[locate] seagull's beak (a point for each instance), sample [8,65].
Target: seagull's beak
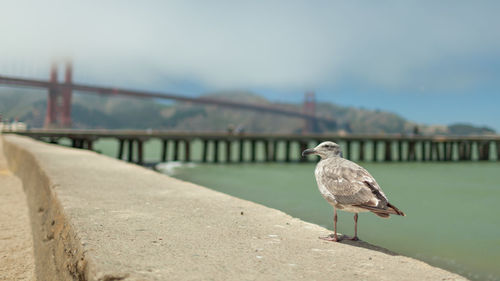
[308,152]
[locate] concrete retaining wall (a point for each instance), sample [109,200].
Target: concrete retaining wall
[97,218]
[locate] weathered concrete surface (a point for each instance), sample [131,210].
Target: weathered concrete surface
[98,218]
[16,242]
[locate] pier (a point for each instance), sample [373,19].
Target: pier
[217,147]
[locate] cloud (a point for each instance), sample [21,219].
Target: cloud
[395,45]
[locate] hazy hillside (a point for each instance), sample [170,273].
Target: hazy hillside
[94,111]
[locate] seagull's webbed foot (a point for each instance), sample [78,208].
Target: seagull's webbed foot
[355,238]
[336,238]
[331,237]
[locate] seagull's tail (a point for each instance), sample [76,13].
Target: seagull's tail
[383,213]
[397,211]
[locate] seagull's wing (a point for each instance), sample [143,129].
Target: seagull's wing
[351,184]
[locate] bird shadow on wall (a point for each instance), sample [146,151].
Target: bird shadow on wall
[363,244]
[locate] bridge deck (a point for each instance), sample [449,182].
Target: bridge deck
[217,135]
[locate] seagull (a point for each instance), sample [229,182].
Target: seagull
[348,187]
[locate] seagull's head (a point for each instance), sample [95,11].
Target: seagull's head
[325,150]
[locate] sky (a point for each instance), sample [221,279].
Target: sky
[433,62]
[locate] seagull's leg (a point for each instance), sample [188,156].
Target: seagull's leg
[334,238]
[355,238]
[335,224]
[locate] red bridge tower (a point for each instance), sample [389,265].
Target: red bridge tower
[58,113]
[309,108]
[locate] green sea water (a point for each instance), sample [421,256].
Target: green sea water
[452,208]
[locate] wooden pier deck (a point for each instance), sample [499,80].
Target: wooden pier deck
[219,147]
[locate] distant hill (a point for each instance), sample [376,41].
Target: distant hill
[468,129]
[102,112]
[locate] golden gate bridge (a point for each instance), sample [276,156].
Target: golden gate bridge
[58,113]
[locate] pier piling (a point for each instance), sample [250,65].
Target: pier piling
[281,148]
[140,156]
[253,150]
[361,151]
[303,146]
[216,151]
[187,151]
[400,150]
[275,150]
[130,150]
[375,150]
[287,150]
[388,151]
[267,151]
[423,150]
[241,148]
[204,151]
[412,154]
[164,150]
[121,144]
[228,151]
[176,150]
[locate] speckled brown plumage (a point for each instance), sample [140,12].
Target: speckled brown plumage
[348,186]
